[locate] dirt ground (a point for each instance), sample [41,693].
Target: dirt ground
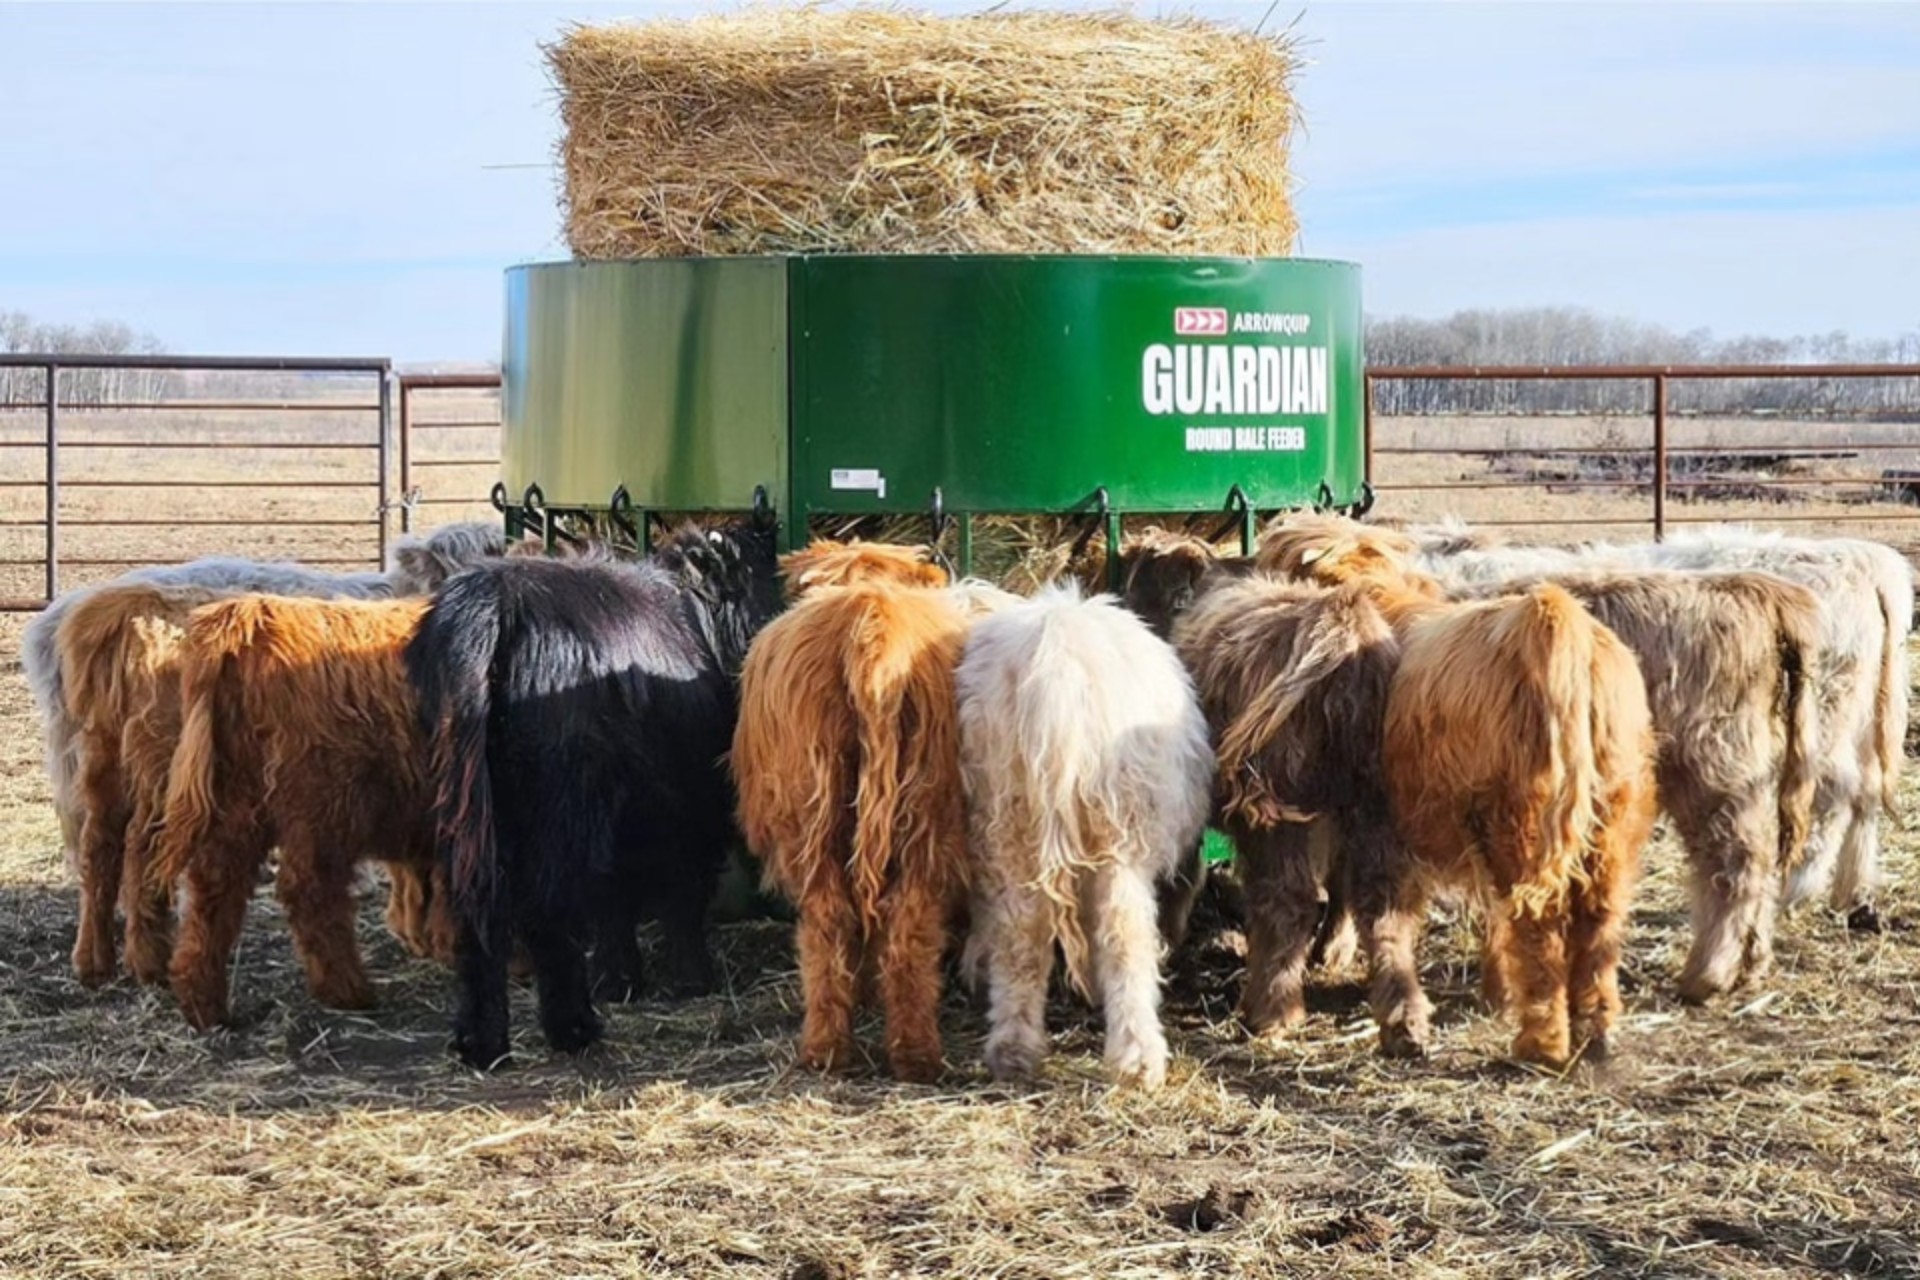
[1773,1134]
[1776,1133]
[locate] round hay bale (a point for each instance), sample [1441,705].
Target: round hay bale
[869,131]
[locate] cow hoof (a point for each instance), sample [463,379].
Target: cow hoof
[825,1056]
[350,997]
[692,984]
[617,988]
[90,969]
[482,1054]
[92,975]
[203,1016]
[1015,1057]
[572,1035]
[1272,1025]
[1550,1051]
[917,1068]
[1864,919]
[1596,1050]
[149,966]
[1402,1042]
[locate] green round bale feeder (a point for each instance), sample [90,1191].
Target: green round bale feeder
[952,386]
[949,386]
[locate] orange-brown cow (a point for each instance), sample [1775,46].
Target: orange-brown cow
[298,730]
[847,760]
[118,651]
[1519,755]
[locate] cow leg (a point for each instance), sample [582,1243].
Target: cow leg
[1537,969]
[1495,945]
[692,875]
[1733,892]
[1126,957]
[619,971]
[1283,913]
[220,881]
[1597,931]
[1598,926]
[1856,878]
[913,936]
[319,900]
[1388,907]
[829,947]
[409,900]
[1177,895]
[1336,939]
[560,976]
[483,939]
[102,850]
[1017,929]
[148,905]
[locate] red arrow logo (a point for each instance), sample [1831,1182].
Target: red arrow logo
[1199,320]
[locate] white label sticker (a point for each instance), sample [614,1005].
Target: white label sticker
[860,478]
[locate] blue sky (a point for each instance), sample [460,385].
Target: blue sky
[352,179]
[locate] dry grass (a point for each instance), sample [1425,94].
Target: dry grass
[1773,1135]
[1822,477]
[1770,1136]
[786,130]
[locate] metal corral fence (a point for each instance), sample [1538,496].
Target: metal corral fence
[112,461]
[142,460]
[449,448]
[1768,445]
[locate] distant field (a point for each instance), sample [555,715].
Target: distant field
[211,459]
[1834,484]
[128,475]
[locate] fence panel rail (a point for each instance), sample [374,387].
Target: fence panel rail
[109,462]
[1649,446]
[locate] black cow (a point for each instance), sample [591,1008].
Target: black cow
[579,712]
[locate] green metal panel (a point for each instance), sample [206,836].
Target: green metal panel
[668,377]
[1008,383]
[1026,383]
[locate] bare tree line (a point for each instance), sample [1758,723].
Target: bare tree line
[20,333]
[1540,336]
[1563,336]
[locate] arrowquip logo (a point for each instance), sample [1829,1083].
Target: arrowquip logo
[1199,320]
[1232,386]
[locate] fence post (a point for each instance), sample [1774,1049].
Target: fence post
[406,456]
[1659,457]
[53,481]
[386,469]
[1366,430]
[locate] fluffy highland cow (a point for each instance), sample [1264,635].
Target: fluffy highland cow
[579,712]
[1087,771]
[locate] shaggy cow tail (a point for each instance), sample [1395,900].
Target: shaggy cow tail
[1246,792]
[1889,701]
[450,663]
[1069,810]
[878,680]
[1560,643]
[212,641]
[1799,640]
